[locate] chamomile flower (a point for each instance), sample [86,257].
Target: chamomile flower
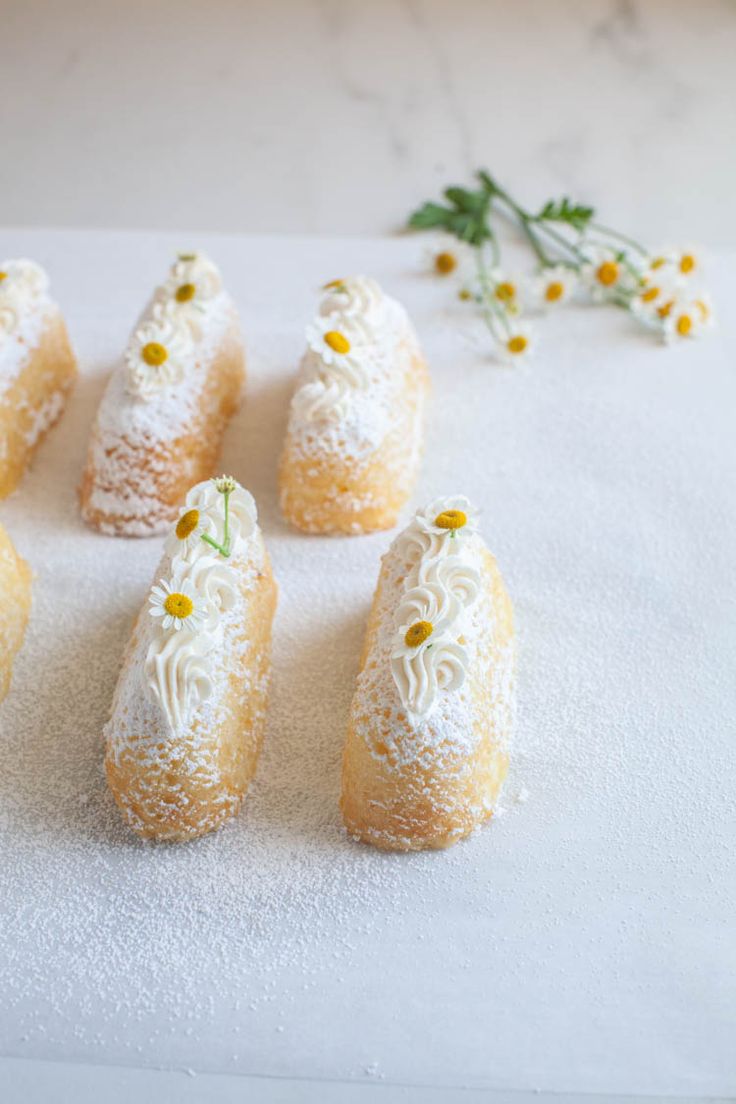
[687,318]
[505,289]
[678,263]
[225,484]
[454,515]
[651,302]
[157,355]
[193,281]
[337,339]
[176,602]
[606,273]
[191,525]
[447,256]
[516,346]
[553,286]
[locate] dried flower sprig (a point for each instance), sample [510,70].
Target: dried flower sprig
[573,251]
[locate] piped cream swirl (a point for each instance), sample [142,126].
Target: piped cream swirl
[427,656]
[22,282]
[179,665]
[348,334]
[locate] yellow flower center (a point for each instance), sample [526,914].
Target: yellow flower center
[337,341]
[333,285]
[451,519]
[185,293]
[154,353]
[178,605]
[687,263]
[554,291]
[703,308]
[665,309]
[657,263]
[464,294]
[445,263]
[3,276]
[607,273]
[186,257]
[517,344]
[650,294]
[418,633]
[186,524]
[506,291]
[684,325]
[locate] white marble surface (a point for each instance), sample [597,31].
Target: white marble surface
[336,117]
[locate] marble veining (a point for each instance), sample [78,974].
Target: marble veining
[337,117]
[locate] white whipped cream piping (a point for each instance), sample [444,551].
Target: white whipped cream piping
[192,285]
[356,296]
[179,663]
[23,283]
[176,324]
[439,588]
[355,309]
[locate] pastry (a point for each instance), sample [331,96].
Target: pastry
[354,436]
[189,711]
[432,713]
[15,607]
[37,366]
[161,419]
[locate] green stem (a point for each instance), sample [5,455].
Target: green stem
[226,534]
[608,232]
[213,544]
[526,221]
[224,548]
[492,310]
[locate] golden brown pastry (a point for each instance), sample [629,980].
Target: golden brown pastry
[353,443]
[161,420]
[189,710]
[37,366]
[431,718]
[15,607]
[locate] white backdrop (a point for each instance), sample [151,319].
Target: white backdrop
[339,116]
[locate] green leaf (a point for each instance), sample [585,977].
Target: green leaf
[564,210]
[473,203]
[429,216]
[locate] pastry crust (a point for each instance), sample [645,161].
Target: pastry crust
[145,453]
[15,607]
[41,371]
[182,783]
[353,472]
[405,786]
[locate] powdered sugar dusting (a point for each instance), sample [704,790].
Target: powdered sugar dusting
[581,942]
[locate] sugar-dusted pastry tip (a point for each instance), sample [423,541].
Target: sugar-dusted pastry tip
[189,711]
[37,366]
[431,718]
[161,420]
[353,441]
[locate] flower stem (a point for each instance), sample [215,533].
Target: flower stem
[224,551]
[226,533]
[606,231]
[224,548]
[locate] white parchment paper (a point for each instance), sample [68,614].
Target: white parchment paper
[586,939]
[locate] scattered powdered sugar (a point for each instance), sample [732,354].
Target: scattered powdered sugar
[23,319]
[373,410]
[448,731]
[164,417]
[582,943]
